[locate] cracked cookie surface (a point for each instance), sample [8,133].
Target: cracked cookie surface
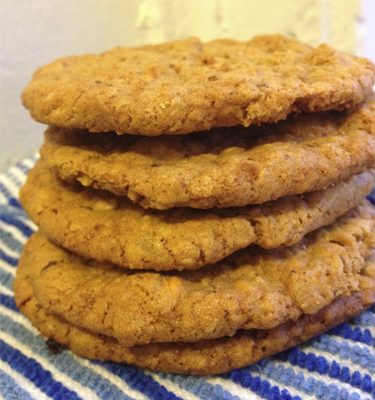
[234,167]
[252,289]
[201,358]
[188,86]
[108,228]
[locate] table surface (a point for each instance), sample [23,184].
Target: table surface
[337,365]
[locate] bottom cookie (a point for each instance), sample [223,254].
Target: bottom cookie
[201,358]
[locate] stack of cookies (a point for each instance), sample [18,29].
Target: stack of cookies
[200,206]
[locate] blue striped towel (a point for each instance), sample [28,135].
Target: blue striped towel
[339,365]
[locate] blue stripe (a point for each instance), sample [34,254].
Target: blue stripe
[10,175]
[10,220]
[14,202]
[358,355]
[15,181]
[10,389]
[139,381]
[8,302]
[322,366]
[371,197]
[23,167]
[5,191]
[6,279]
[365,319]
[31,369]
[6,209]
[310,385]
[8,259]
[9,241]
[65,362]
[261,387]
[354,333]
[199,387]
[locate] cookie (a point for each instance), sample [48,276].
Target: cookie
[201,358]
[234,167]
[98,225]
[252,289]
[188,86]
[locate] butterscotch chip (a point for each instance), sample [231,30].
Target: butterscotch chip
[107,228]
[223,168]
[188,86]
[252,289]
[201,358]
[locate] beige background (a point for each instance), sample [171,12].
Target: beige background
[34,32]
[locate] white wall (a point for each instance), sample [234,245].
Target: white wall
[367,29]
[34,32]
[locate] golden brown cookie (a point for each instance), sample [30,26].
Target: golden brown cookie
[201,358]
[98,225]
[188,86]
[252,289]
[234,167]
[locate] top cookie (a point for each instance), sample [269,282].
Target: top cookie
[187,86]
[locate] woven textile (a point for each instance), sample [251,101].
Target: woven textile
[338,365]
